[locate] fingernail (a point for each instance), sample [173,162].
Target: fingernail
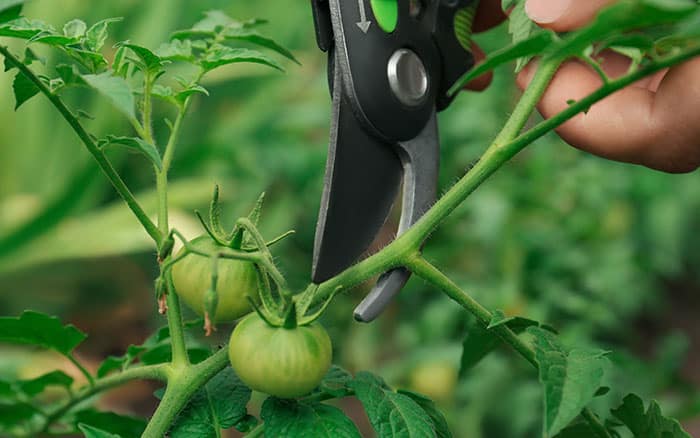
[547,11]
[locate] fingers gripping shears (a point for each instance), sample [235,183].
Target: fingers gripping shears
[391,64]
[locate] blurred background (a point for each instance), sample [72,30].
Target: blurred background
[607,253]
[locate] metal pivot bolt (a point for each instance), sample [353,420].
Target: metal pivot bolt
[408,77]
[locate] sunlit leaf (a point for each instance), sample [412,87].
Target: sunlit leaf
[223,55]
[136,145]
[96,35]
[150,62]
[23,28]
[75,29]
[115,89]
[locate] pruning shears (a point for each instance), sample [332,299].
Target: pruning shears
[390,66]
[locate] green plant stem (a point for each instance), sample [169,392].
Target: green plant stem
[151,372]
[177,333]
[94,150]
[258,431]
[182,384]
[82,369]
[434,276]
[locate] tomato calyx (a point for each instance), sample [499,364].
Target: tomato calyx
[243,236]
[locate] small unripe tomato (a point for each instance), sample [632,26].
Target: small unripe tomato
[237,280]
[283,362]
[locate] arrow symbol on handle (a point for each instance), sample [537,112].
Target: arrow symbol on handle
[363,24]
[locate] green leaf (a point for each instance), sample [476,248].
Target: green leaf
[114,363]
[442,429]
[649,424]
[96,36]
[120,425]
[481,341]
[23,28]
[525,48]
[579,430]
[150,62]
[176,50]
[136,145]
[515,323]
[70,75]
[115,89]
[390,413]
[335,383]
[36,386]
[521,28]
[623,16]
[221,403]
[75,29]
[569,379]
[291,419]
[33,328]
[223,55]
[53,40]
[12,414]
[10,10]
[93,61]
[477,345]
[253,37]
[93,432]
[24,89]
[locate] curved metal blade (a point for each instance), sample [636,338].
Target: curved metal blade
[421,162]
[363,175]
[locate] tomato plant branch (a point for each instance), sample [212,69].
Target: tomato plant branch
[606,90]
[425,270]
[501,150]
[81,368]
[90,144]
[150,372]
[182,384]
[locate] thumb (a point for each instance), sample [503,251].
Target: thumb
[564,15]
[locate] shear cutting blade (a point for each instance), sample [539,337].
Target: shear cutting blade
[363,175]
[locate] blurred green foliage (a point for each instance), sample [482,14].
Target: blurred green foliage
[605,252]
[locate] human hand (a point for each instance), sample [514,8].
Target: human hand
[654,122]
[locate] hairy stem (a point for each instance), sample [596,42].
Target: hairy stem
[94,150]
[183,383]
[152,372]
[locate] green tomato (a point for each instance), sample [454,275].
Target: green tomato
[286,363]
[237,280]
